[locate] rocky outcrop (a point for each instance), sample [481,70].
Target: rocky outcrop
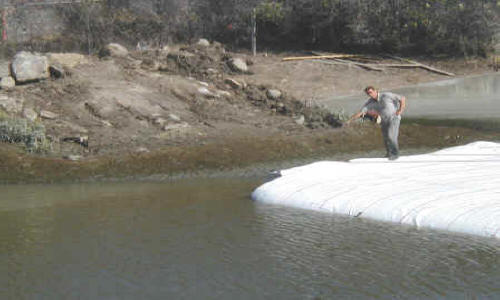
[27,66]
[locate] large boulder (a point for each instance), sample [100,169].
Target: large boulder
[114,50]
[27,66]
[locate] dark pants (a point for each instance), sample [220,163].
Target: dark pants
[390,131]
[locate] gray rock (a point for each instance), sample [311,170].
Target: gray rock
[30,114]
[224,94]
[27,66]
[273,94]
[233,83]
[238,65]
[203,43]
[7,83]
[114,50]
[206,92]
[174,118]
[45,114]
[73,157]
[142,150]
[176,127]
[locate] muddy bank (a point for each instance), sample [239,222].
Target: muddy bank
[230,154]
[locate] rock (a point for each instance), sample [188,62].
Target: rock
[27,66]
[30,114]
[7,83]
[203,43]
[56,71]
[238,65]
[300,120]
[11,105]
[66,60]
[206,92]
[159,121]
[273,94]
[45,114]
[233,83]
[174,118]
[175,127]
[114,50]
[224,94]
[165,50]
[142,150]
[4,68]
[73,157]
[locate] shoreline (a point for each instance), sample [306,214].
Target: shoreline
[252,156]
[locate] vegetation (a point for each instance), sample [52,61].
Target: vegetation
[20,130]
[452,27]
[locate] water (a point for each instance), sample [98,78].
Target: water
[470,98]
[205,239]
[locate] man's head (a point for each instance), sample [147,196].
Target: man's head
[372,92]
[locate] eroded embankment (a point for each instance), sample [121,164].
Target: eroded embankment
[230,154]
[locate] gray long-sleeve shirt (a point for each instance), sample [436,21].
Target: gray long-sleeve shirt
[386,105]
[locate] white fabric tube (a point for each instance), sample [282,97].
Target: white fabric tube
[456,189]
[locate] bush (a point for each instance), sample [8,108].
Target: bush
[22,131]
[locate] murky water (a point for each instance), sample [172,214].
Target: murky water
[469,97]
[205,239]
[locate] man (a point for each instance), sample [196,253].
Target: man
[389,107]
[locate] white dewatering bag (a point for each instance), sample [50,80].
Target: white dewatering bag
[456,189]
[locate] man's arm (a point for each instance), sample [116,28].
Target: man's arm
[402,105]
[355,116]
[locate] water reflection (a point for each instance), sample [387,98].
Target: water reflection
[469,97]
[206,239]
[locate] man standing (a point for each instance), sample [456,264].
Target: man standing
[389,107]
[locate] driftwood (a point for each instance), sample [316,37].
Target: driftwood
[419,65]
[331,56]
[369,66]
